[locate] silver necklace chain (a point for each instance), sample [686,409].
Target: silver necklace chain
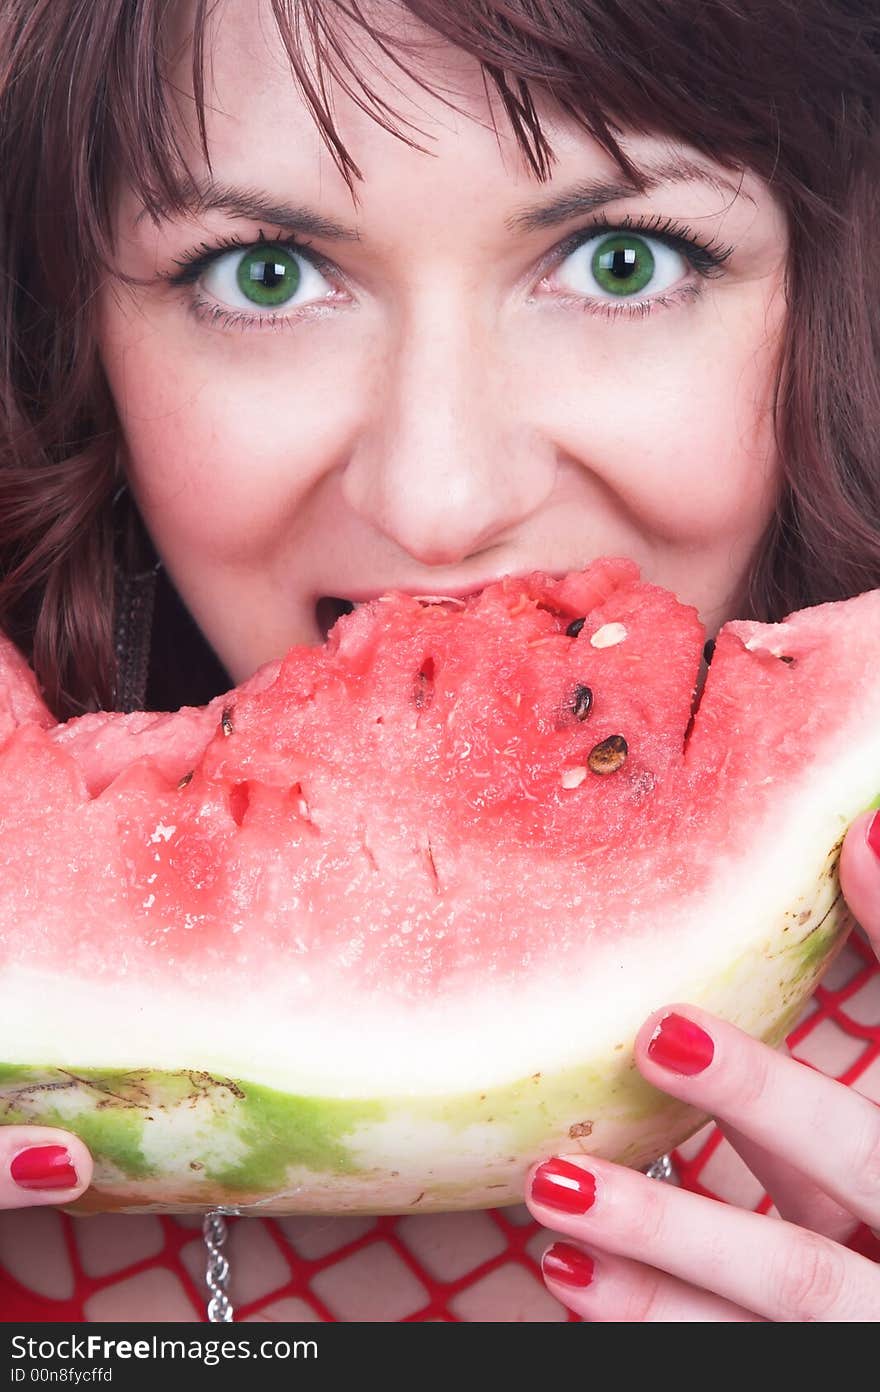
[662,1168]
[214,1232]
[217,1274]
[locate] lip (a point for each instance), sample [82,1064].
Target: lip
[432,589]
[328,606]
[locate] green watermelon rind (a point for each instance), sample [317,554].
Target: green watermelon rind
[278,1153]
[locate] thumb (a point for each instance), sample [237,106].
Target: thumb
[41,1165]
[860,873]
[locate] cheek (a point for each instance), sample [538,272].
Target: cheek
[224,440]
[674,415]
[714,442]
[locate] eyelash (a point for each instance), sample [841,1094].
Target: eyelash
[706,258]
[197,260]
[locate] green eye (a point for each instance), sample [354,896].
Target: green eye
[268,276]
[623,264]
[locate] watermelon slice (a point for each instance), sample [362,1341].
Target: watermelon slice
[375,931]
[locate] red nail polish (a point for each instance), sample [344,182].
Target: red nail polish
[873,834]
[44,1167]
[564,1186]
[681,1046]
[567,1265]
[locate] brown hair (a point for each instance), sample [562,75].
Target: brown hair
[787,88]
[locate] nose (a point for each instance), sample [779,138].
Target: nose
[446,462]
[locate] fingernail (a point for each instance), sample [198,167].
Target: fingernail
[681,1046]
[567,1265]
[44,1167]
[564,1186]
[873,834]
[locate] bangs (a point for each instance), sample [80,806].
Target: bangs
[719,77]
[333,45]
[524,50]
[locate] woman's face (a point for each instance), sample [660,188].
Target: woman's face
[459,376]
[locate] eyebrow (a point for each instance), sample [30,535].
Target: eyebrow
[596,193]
[298,220]
[292,218]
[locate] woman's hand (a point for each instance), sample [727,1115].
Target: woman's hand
[41,1165]
[648,1251]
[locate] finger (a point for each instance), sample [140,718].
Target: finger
[41,1165]
[605,1289]
[860,874]
[763,1265]
[828,1132]
[797,1198]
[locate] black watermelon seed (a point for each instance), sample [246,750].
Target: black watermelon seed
[608,756]
[185,780]
[789,660]
[575,627]
[226,721]
[708,651]
[423,686]
[582,703]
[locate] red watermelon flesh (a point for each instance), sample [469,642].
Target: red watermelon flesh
[399,904]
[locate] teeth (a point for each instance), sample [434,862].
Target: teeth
[329,608]
[439,599]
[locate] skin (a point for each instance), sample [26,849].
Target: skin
[487,423]
[452,401]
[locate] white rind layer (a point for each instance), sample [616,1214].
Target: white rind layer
[491,1035]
